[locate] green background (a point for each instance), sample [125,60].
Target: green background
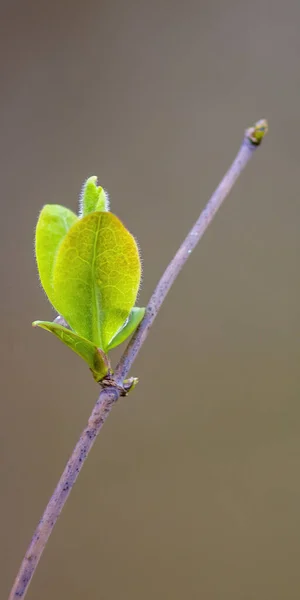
[193,488]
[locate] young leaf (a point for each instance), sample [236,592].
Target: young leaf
[130,326]
[95,358]
[93,197]
[96,277]
[53,224]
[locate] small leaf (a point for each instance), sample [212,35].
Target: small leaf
[95,358]
[53,224]
[130,384]
[130,326]
[96,277]
[92,197]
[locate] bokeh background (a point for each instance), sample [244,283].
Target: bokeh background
[193,487]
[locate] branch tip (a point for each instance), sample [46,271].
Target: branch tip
[256,133]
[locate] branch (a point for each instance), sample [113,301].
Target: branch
[114,388]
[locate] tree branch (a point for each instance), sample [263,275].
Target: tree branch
[110,393]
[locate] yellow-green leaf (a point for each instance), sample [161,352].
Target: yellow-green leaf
[53,224]
[96,277]
[95,358]
[130,326]
[93,197]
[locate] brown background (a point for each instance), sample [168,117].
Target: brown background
[193,488]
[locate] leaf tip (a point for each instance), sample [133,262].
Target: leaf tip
[92,197]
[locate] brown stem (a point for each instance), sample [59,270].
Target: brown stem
[109,395]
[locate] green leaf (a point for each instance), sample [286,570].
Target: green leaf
[53,224]
[93,197]
[96,277]
[130,326]
[95,358]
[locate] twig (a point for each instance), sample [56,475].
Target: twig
[110,394]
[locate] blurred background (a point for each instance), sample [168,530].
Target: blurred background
[193,488]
